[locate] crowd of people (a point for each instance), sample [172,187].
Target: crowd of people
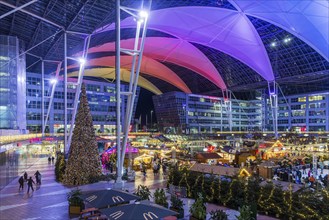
[25,179]
[303,174]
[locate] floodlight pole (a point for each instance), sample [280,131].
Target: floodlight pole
[43,97]
[66,147]
[78,88]
[273,93]
[118,90]
[227,95]
[133,84]
[51,97]
[137,51]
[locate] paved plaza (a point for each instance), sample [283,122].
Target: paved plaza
[49,200]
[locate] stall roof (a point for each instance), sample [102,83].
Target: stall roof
[208,156]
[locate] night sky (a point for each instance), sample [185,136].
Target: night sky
[144,106]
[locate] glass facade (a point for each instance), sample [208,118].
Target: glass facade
[12,85]
[189,113]
[100,96]
[304,112]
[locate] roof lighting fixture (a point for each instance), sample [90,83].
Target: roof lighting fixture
[143,14]
[287,40]
[82,61]
[53,81]
[273,44]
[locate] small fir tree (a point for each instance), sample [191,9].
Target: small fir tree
[83,164]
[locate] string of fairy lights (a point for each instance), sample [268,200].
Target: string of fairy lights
[266,201]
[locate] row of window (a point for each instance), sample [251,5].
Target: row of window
[302,121]
[303,99]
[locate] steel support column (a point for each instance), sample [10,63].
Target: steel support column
[130,92]
[43,97]
[66,147]
[140,18]
[51,97]
[78,88]
[227,95]
[118,90]
[273,93]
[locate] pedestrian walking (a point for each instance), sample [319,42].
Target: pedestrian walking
[25,176]
[30,183]
[21,183]
[49,160]
[52,159]
[38,177]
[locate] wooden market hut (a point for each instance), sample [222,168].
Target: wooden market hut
[266,169]
[220,170]
[242,157]
[207,157]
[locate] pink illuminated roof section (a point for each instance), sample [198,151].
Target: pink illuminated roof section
[308,20]
[226,30]
[148,66]
[177,51]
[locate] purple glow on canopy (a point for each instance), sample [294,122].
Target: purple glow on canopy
[148,66]
[226,30]
[308,20]
[175,51]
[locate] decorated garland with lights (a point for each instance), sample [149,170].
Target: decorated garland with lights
[235,192]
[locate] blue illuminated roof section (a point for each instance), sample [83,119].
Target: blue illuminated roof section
[308,20]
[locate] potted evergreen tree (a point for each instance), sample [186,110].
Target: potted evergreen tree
[218,215]
[245,213]
[160,198]
[198,209]
[76,204]
[177,206]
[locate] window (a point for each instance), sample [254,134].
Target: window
[33,116]
[112,99]
[316,98]
[94,88]
[317,113]
[58,105]
[58,117]
[317,120]
[298,112]
[298,121]
[317,105]
[33,81]
[283,121]
[302,99]
[109,89]
[293,100]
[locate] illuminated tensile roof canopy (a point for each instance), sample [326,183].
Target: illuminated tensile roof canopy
[175,51]
[109,73]
[222,29]
[207,45]
[148,66]
[308,20]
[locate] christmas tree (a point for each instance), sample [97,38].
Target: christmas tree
[83,165]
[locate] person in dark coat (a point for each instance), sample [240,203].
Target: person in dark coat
[30,183]
[38,177]
[25,176]
[21,183]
